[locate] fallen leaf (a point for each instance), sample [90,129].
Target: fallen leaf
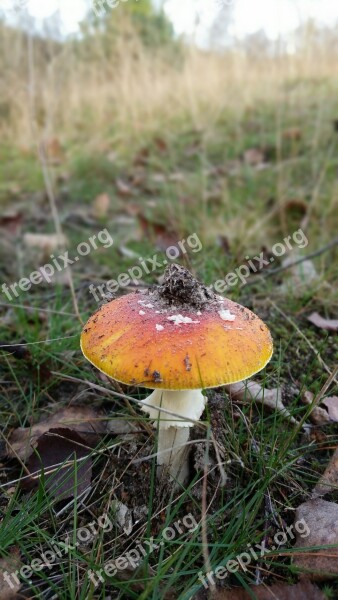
[293,134]
[123,188]
[322,323]
[305,590]
[48,242]
[254,391]
[254,157]
[223,242]
[54,448]
[302,275]
[329,480]
[54,151]
[163,235]
[299,207]
[332,404]
[81,419]
[321,518]
[318,415]
[142,157]
[9,565]
[161,144]
[11,221]
[101,206]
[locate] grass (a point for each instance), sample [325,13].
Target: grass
[184,173]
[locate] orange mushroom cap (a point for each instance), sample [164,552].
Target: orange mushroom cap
[141,340]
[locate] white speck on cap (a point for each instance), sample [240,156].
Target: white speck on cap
[143,302]
[159,327]
[226,315]
[179,319]
[141,312]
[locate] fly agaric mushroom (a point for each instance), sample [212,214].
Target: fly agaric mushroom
[177,339]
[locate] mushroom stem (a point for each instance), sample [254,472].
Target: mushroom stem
[173,429]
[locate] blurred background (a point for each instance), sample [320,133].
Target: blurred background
[157,120]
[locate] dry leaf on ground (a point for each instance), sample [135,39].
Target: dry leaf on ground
[101,206]
[61,454]
[123,188]
[164,235]
[254,391]
[329,479]
[301,275]
[322,323]
[254,157]
[321,518]
[318,415]
[54,151]
[82,419]
[293,134]
[11,222]
[332,405]
[9,565]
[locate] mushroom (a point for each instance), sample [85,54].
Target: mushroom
[177,339]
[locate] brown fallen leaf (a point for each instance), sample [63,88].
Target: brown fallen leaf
[164,236]
[10,564]
[82,419]
[318,415]
[142,157]
[296,206]
[332,405]
[254,391]
[254,157]
[11,221]
[322,323]
[292,134]
[161,144]
[329,480]
[54,151]
[305,590]
[101,206]
[321,518]
[54,451]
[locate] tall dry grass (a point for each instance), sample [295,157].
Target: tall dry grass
[80,90]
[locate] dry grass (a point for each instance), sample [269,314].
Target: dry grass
[79,90]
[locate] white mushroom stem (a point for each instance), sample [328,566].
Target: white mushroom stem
[185,408]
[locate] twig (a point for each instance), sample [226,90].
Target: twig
[270,272]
